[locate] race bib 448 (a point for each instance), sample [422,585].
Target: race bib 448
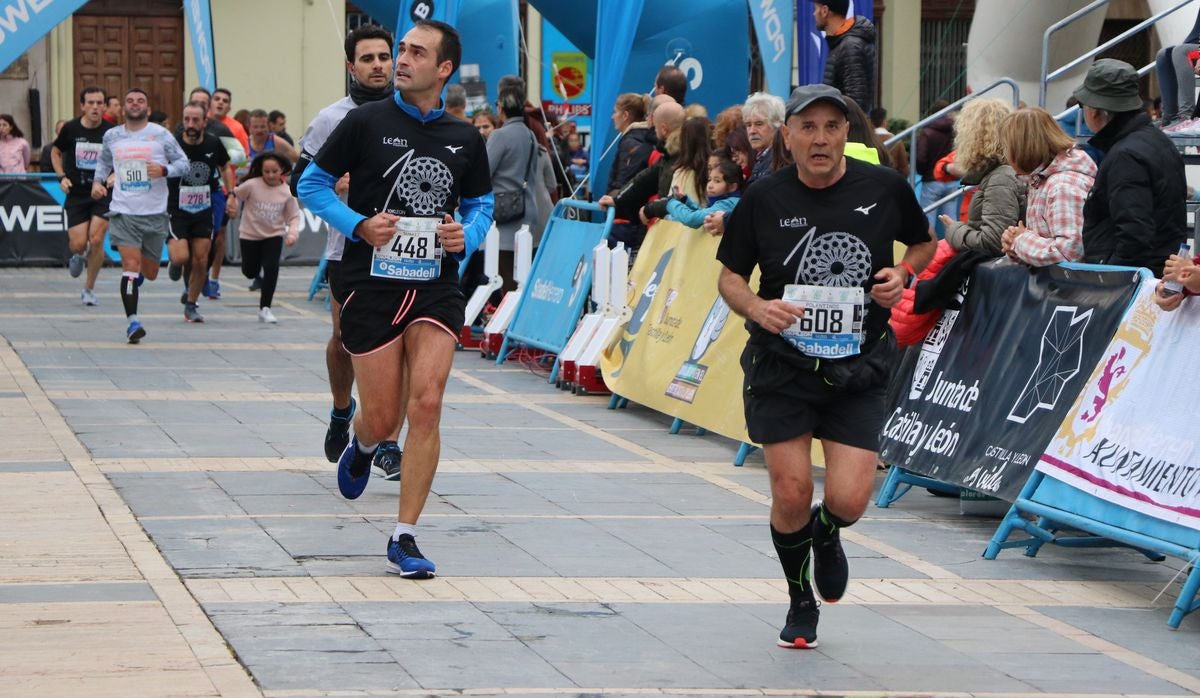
[413,254]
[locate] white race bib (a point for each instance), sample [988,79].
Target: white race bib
[133,176]
[87,155]
[413,254]
[195,199]
[831,327]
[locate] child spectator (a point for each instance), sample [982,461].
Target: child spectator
[578,156]
[270,218]
[724,189]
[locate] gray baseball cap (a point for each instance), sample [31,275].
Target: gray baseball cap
[1110,85]
[807,95]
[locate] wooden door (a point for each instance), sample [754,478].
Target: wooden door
[120,52]
[102,53]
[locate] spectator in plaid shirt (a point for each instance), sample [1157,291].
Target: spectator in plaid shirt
[1060,177]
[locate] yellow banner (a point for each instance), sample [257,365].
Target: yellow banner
[679,351]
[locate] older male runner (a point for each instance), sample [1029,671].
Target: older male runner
[820,349]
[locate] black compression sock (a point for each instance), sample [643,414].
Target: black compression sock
[793,550]
[129,294]
[828,522]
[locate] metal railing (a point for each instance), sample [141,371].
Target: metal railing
[956,194]
[1046,77]
[913,131]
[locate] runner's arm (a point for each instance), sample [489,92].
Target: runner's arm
[104,163]
[56,159]
[476,215]
[286,150]
[177,162]
[773,316]
[291,212]
[315,190]
[304,160]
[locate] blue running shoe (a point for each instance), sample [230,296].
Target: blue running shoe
[338,433]
[216,290]
[140,280]
[354,470]
[135,332]
[406,560]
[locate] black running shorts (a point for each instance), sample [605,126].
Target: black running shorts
[333,268]
[81,209]
[191,227]
[371,319]
[784,400]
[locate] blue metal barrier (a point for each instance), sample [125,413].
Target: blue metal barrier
[553,297]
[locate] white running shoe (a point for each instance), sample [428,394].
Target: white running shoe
[88,297]
[265,315]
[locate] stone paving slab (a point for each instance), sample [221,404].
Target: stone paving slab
[583,550]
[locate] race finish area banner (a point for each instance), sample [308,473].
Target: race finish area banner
[679,353]
[23,22]
[33,225]
[1130,438]
[978,402]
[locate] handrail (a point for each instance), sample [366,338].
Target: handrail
[956,194]
[912,131]
[1050,31]
[1046,77]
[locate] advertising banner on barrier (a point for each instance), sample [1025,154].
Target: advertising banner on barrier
[978,402]
[553,297]
[679,352]
[33,225]
[1130,438]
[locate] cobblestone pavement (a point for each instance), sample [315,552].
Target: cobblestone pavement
[169,527]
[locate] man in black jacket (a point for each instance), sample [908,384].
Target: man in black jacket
[850,66]
[655,179]
[1136,213]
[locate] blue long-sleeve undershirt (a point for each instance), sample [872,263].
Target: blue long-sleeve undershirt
[315,190]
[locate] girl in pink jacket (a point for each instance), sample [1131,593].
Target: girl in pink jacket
[270,219]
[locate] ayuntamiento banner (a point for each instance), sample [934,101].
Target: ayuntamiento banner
[1130,438]
[978,402]
[679,352]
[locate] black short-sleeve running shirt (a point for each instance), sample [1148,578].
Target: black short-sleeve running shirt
[405,167]
[80,147]
[840,236]
[192,193]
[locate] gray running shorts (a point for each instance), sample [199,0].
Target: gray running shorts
[147,233]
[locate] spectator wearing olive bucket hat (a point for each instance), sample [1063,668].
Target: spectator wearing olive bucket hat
[1136,214]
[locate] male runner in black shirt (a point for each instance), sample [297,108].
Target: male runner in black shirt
[75,152]
[820,349]
[410,167]
[190,203]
